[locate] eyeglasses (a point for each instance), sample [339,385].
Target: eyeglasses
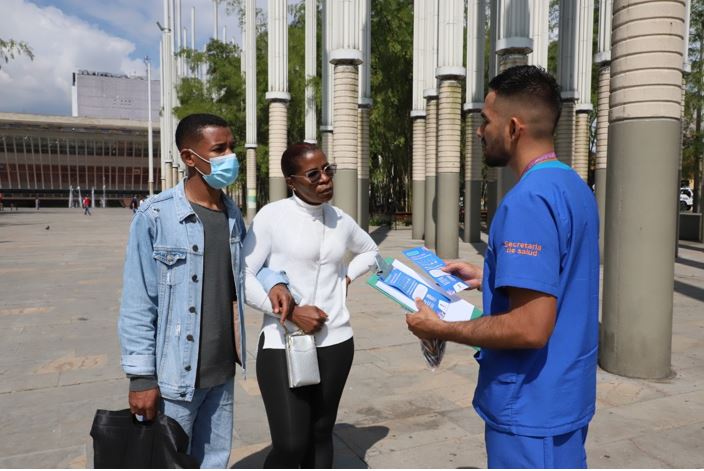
[315,174]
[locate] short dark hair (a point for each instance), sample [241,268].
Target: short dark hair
[291,156]
[532,84]
[190,127]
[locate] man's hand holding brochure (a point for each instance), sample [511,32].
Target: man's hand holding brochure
[435,287]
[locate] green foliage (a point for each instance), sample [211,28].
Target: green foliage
[9,49]
[390,125]
[692,136]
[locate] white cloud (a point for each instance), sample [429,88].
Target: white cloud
[61,44]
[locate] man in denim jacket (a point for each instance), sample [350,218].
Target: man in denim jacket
[181,320]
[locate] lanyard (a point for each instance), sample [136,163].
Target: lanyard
[537,160]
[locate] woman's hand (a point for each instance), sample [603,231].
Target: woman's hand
[309,318]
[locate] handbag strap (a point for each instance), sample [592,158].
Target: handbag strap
[317,276]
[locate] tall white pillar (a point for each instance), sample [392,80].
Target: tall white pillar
[567,77]
[450,73]
[418,119]
[278,95]
[310,63]
[603,59]
[584,88]
[430,94]
[540,32]
[250,79]
[641,219]
[346,57]
[327,84]
[215,19]
[365,104]
[513,44]
[492,193]
[167,91]
[476,18]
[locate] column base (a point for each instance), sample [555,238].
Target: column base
[363,203]
[430,211]
[636,329]
[346,191]
[472,211]
[448,196]
[418,214]
[277,189]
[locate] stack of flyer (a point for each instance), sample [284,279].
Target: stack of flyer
[436,288]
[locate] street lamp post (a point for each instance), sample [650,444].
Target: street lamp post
[149,126]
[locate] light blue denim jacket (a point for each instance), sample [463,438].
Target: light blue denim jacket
[159,325]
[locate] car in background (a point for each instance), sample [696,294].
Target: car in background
[686,198]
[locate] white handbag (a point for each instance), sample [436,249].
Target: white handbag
[301,359]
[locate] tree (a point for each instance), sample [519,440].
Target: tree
[9,49]
[390,124]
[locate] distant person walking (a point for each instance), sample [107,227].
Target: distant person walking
[2,204]
[86,206]
[134,204]
[36,204]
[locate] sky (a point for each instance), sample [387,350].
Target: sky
[99,35]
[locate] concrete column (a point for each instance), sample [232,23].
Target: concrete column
[492,194]
[167,91]
[363,166]
[418,119]
[277,96]
[603,59]
[327,84]
[602,141]
[278,119]
[250,78]
[310,55]
[449,73]
[644,127]
[473,156]
[345,143]
[539,32]
[476,18]
[365,103]
[431,149]
[346,56]
[513,44]
[418,176]
[580,161]
[567,77]
[448,179]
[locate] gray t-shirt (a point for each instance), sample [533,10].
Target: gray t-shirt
[216,353]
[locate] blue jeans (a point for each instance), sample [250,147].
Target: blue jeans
[207,420]
[509,451]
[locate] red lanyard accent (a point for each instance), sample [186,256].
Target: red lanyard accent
[537,160]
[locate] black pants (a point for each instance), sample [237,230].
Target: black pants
[301,419]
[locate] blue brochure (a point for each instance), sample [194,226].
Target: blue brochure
[432,264]
[415,289]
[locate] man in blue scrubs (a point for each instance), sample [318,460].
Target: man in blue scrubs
[537,365]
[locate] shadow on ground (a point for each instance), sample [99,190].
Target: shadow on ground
[355,441]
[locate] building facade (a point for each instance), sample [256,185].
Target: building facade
[51,157]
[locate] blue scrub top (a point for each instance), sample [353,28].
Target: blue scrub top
[544,237]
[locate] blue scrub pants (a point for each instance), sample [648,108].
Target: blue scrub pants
[509,451]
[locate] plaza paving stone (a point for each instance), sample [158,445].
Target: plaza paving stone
[60,284]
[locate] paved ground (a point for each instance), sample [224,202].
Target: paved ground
[59,361]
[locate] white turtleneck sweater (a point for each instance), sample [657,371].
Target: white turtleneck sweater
[288,235]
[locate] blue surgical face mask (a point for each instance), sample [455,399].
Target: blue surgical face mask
[223,170]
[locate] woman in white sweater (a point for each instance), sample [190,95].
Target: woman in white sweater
[308,238]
